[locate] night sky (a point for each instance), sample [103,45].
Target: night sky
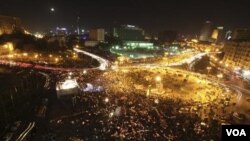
[186,16]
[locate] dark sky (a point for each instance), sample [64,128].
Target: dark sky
[186,16]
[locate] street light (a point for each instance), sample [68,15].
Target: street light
[56,59]
[52,9]
[106,100]
[25,54]
[157,78]
[84,71]
[35,56]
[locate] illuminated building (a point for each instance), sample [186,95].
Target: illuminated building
[10,24]
[217,35]
[97,34]
[68,87]
[128,32]
[137,44]
[132,43]
[206,31]
[131,37]
[237,53]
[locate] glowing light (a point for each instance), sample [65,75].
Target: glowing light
[114,67]
[106,100]
[84,72]
[246,74]
[10,56]
[36,56]
[158,78]
[25,54]
[52,9]
[194,40]
[38,35]
[156,101]
[68,84]
[9,46]
[111,114]
[26,32]
[220,75]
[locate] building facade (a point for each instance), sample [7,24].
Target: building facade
[128,32]
[217,35]
[206,31]
[237,54]
[97,34]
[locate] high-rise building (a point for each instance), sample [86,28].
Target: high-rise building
[128,32]
[237,53]
[237,50]
[216,36]
[241,34]
[206,31]
[10,24]
[97,34]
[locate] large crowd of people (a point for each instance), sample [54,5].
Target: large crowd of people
[122,112]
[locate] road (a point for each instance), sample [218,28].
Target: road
[104,64]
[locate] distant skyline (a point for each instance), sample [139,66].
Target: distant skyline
[185,16]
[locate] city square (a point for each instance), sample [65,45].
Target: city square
[124,70]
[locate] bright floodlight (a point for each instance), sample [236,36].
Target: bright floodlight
[156,101]
[111,114]
[246,74]
[106,100]
[84,71]
[220,75]
[52,9]
[68,84]
[158,78]
[103,67]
